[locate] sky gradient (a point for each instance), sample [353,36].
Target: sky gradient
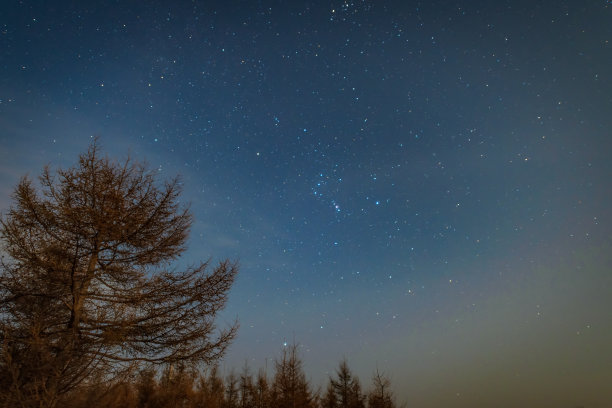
[422,187]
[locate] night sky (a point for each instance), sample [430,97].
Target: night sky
[422,187]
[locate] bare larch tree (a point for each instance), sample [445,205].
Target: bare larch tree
[87,286]
[381,395]
[290,388]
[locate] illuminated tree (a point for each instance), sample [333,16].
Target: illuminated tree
[86,286]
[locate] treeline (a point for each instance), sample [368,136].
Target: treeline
[288,387]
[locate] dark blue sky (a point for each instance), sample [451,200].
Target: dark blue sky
[422,187]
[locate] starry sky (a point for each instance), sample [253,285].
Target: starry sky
[422,187]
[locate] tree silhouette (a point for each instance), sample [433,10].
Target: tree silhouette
[347,388]
[380,396]
[290,388]
[329,398]
[212,390]
[262,391]
[247,388]
[85,284]
[232,391]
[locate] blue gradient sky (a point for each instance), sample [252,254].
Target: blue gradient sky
[422,187]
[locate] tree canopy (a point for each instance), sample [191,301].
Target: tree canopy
[87,286]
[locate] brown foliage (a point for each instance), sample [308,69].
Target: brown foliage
[85,287]
[380,396]
[171,387]
[347,389]
[290,388]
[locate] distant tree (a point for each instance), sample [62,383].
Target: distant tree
[290,388]
[85,284]
[261,398]
[380,396]
[347,388]
[115,395]
[176,387]
[329,399]
[146,388]
[247,388]
[211,390]
[232,391]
